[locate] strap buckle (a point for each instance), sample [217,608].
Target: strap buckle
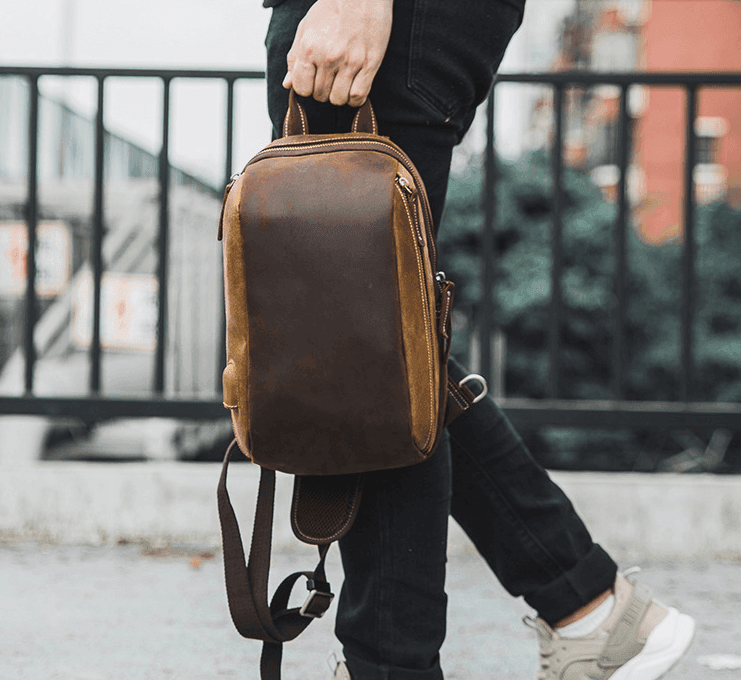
[320,597]
[479,379]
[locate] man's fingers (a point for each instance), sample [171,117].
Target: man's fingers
[340,93]
[324,82]
[361,86]
[302,78]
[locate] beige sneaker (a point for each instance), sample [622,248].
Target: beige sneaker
[640,640]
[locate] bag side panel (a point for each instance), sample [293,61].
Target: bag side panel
[419,327]
[325,346]
[237,339]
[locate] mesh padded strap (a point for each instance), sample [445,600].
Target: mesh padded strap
[324,508]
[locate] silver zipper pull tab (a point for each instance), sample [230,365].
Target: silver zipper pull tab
[404,184]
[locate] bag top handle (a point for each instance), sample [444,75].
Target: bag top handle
[296,122]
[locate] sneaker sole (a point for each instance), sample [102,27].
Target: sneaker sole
[666,645]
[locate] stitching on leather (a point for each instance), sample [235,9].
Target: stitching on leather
[374,124]
[304,122]
[458,399]
[447,310]
[455,392]
[229,406]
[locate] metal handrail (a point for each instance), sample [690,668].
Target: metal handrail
[552,411]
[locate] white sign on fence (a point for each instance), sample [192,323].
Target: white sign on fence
[53,258]
[128,311]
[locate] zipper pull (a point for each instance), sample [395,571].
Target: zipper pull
[410,193]
[405,186]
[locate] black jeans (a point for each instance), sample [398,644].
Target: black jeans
[391,615]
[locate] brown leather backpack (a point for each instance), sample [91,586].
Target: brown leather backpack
[338,334]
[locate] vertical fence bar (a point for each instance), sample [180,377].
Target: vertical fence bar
[162,241]
[229,158]
[31,227]
[686,374]
[96,249]
[487,244]
[619,288]
[229,164]
[554,325]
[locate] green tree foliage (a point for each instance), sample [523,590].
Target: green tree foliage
[653,280]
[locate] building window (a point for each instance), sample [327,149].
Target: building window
[709,176]
[706,150]
[708,131]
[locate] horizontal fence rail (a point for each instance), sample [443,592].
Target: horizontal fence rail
[616,413]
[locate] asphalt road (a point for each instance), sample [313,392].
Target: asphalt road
[128,613]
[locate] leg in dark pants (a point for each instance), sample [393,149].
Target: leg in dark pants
[391,616]
[392,609]
[520,521]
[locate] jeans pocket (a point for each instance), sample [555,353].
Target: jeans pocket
[455,49]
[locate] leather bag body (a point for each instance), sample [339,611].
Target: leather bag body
[338,323]
[338,333]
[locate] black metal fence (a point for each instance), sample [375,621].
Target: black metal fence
[614,413]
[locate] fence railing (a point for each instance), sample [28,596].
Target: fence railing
[553,411]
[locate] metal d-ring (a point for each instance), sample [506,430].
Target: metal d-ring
[481,380]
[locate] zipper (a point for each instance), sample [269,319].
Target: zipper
[408,195]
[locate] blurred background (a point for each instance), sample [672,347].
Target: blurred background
[619,307]
[592,227]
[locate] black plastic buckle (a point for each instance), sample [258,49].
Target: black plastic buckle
[320,597]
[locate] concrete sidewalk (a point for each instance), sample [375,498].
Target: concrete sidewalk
[650,516]
[128,613]
[112,572]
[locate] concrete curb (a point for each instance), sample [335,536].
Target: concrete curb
[654,516]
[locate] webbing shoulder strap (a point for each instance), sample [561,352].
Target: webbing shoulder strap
[247,584]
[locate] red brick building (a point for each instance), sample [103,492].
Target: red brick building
[653,35]
[683,35]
